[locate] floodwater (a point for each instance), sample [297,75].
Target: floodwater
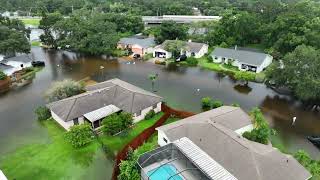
[178,86]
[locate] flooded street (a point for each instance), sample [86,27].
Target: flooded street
[178,86]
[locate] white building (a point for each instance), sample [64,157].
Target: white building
[244,60]
[16,63]
[102,100]
[191,49]
[209,145]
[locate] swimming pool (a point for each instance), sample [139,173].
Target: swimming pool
[163,173]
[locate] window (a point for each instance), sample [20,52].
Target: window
[215,57]
[165,140]
[193,54]
[75,121]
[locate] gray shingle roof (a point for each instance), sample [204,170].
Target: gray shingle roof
[25,58]
[125,96]
[248,57]
[245,159]
[144,42]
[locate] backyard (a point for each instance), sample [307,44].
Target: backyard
[31,21]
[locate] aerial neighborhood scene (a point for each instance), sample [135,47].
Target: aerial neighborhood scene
[160,90]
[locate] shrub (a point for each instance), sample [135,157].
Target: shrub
[80,135]
[235,104]
[192,61]
[216,104]
[3,76]
[150,114]
[206,102]
[64,89]
[147,57]
[311,165]
[43,113]
[261,132]
[28,69]
[116,123]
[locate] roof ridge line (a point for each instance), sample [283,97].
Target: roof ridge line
[74,102]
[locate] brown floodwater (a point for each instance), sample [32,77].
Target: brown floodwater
[178,86]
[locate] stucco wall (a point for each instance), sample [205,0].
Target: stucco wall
[145,111]
[168,54]
[65,125]
[161,137]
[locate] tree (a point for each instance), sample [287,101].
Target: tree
[153,78]
[64,89]
[175,47]
[43,113]
[47,25]
[170,30]
[87,32]
[80,135]
[261,131]
[116,123]
[3,76]
[300,73]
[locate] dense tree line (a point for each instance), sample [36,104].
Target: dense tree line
[13,37]
[88,32]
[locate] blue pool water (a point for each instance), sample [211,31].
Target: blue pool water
[164,172]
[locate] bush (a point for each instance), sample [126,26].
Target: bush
[28,69]
[235,104]
[150,114]
[64,89]
[3,76]
[147,57]
[43,113]
[80,135]
[206,102]
[192,61]
[261,132]
[311,165]
[216,104]
[116,123]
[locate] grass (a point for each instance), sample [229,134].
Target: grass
[231,71]
[31,21]
[35,43]
[116,143]
[55,159]
[31,74]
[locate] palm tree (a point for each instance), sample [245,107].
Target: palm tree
[153,78]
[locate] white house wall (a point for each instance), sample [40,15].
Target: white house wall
[202,51]
[65,125]
[168,54]
[161,137]
[145,111]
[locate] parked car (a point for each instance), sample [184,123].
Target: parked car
[37,63]
[136,56]
[182,57]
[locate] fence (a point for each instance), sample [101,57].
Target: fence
[142,137]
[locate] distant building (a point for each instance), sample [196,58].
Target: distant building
[137,44]
[155,20]
[191,49]
[210,146]
[102,100]
[16,63]
[244,60]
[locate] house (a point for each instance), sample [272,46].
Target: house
[137,44]
[209,145]
[244,60]
[7,69]
[103,99]
[190,49]
[18,62]
[2,176]
[181,19]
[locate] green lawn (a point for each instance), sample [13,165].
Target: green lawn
[225,69]
[116,143]
[31,21]
[35,43]
[56,159]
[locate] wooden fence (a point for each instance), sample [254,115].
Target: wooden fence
[142,137]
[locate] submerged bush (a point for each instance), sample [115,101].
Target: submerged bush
[192,61]
[64,89]
[150,114]
[43,113]
[3,76]
[80,135]
[206,102]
